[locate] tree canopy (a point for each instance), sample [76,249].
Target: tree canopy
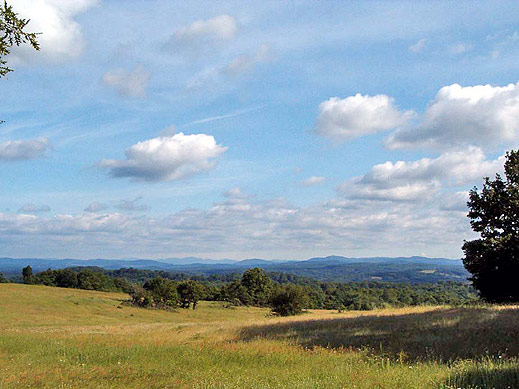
[493,259]
[12,33]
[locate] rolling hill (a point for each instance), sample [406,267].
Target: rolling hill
[332,268]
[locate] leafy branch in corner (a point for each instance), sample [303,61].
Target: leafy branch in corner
[12,34]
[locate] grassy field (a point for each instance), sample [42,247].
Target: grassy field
[65,338]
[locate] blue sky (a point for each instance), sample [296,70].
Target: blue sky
[236,129]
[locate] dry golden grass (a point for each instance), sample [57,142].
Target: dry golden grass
[64,338]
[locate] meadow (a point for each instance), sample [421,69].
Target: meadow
[66,338]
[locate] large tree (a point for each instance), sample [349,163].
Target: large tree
[12,33]
[258,286]
[493,260]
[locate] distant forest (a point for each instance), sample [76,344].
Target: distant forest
[255,287]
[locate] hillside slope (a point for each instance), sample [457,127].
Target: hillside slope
[332,268]
[52,337]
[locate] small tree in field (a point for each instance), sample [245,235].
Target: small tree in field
[493,260]
[258,286]
[28,277]
[163,291]
[289,300]
[190,292]
[2,279]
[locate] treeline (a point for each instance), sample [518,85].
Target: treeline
[79,279]
[285,294]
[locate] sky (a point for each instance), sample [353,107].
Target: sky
[279,130]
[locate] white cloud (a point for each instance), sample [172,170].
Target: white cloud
[312,181]
[359,115]
[61,37]
[481,115]
[422,179]
[239,66]
[460,48]
[131,205]
[238,227]
[166,158]
[32,208]
[418,46]
[236,193]
[132,83]
[18,150]
[203,33]
[456,202]
[246,63]
[96,207]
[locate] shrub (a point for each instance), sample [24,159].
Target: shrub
[140,296]
[289,300]
[163,292]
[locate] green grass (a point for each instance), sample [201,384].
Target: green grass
[64,338]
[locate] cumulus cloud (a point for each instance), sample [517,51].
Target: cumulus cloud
[32,208]
[132,83]
[359,115]
[481,115]
[19,150]
[238,227]
[421,179]
[418,46]
[96,207]
[456,202]
[166,158]
[313,181]
[61,37]
[204,33]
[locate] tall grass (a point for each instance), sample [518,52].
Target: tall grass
[62,338]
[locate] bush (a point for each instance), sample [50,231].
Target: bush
[163,292]
[140,296]
[289,300]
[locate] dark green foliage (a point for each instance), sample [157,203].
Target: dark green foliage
[80,279]
[329,295]
[163,292]
[28,277]
[493,260]
[289,300]
[255,287]
[370,295]
[140,296]
[12,33]
[410,270]
[3,280]
[190,292]
[122,284]
[258,287]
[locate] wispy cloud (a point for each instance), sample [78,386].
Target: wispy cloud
[220,117]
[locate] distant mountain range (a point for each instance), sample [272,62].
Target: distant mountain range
[332,268]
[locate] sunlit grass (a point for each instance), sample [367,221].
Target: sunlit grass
[52,337]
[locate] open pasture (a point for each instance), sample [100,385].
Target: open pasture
[65,338]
